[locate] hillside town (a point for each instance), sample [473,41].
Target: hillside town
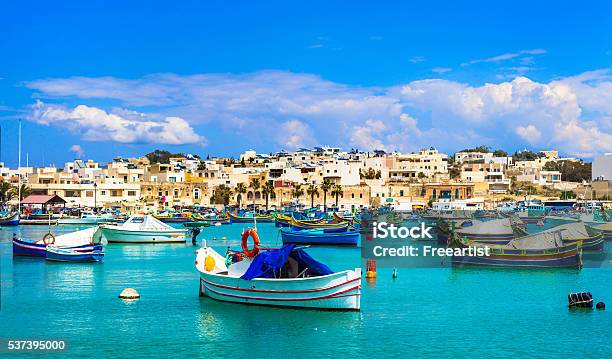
[317,177]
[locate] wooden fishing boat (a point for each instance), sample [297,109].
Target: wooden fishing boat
[541,250]
[496,231]
[320,236]
[284,277]
[38,248]
[172,218]
[235,218]
[87,253]
[339,226]
[143,229]
[589,238]
[606,230]
[222,219]
[282,220]
[10,219]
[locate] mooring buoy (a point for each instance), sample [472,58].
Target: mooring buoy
[129,293]
[600,305]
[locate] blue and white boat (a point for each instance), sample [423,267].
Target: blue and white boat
[38,248]
[85,253]
[320,236]
[10,219]
[284,277]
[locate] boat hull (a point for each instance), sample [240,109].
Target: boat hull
[113,235]
[338,291]
[28,249]
[12,220]
[348,238]
[89,253]
[570,257]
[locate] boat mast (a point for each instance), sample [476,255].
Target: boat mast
[19,172]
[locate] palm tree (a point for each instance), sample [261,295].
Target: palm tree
[240,190]
[267,189]
[337,192]
[325,187]
[297,191]
[255,184]
[25,191]
[312,191]
[5,192]
[224,193]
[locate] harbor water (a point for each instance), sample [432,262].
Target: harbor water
[450,312]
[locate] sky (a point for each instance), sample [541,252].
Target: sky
[100,79]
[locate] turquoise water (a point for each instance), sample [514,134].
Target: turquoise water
[464,312]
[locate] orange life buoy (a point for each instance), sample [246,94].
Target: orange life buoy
[251,253]
[48,235]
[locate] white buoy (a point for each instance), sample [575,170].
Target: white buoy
[129,293]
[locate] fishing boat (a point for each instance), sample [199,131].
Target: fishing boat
[496,231]
[284,277]
[173,218]
[197,224]
[86,253]
[38,248]
[541,250]
[589,238]
[282,220]
[10,219]
[143,229]
[248,218]
[606,230]
[331,226]
[211,218]
[322,236]
[86,218]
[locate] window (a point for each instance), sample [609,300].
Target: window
[401,193]
[172,179]
[131,193]
[196,193]
[89,194]
[103,193]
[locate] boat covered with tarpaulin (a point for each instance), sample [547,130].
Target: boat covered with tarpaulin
[541,250]
[495,231]
[284,277]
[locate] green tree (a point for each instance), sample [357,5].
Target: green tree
[325,187]
[6,192]
[241,189]
[25,191]
[222,195]
[161,156]
[571,171]
[255,184]
[267,189]
[337,192]
[500,153]
[297,191]
[312,191]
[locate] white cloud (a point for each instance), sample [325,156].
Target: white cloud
[441,70]
[298,110]
[508,56]
[530,133]
[77,150]
[295,134]
[94,124]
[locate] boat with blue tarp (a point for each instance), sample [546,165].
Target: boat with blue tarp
[283,277]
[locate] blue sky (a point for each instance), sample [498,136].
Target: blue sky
[108,79]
